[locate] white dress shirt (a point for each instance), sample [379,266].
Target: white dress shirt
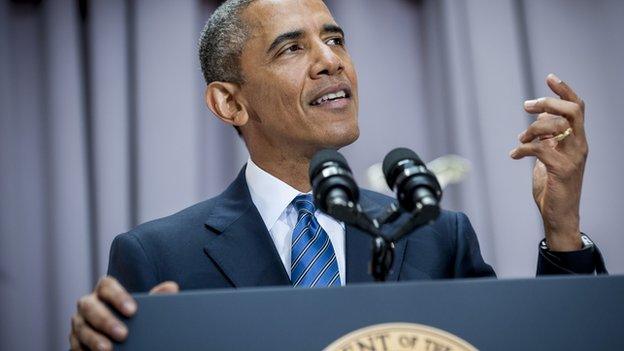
[273,198]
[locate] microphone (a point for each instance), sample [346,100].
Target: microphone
[333,186]
[417,188]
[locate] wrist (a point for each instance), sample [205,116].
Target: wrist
[563,231]
[564,241]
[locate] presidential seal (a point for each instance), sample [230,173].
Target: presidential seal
[400,337]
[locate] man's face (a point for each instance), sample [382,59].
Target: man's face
[300,84]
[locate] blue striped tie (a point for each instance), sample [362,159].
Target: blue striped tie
[313,260]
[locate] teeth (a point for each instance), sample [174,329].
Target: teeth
[326,97]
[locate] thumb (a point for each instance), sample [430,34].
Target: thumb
[165,288]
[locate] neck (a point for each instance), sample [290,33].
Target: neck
[292,170]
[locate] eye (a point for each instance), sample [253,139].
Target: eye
[291,48]
[336,41]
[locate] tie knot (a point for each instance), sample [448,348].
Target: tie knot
[304,204]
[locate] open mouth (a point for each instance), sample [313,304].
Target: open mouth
[339,94]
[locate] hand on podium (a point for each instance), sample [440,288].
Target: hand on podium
[94,324]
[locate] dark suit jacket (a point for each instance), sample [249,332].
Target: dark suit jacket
[223,243]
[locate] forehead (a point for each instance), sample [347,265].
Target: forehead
[270,18]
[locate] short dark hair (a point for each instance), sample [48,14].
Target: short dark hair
[222,41]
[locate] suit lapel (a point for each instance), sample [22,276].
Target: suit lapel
[358,253]
[240,244]
[359,249]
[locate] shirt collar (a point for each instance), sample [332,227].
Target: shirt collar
[270,195]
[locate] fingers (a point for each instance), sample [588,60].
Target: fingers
[570,106]
[547,125]
[74,344]
[99,317]
[109,290]
[94,321]
[563,90]
[83,334]
[544,150]
[165,288]
[569,110]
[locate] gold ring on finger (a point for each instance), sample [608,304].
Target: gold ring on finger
[562,136]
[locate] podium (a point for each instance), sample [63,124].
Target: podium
[547,313]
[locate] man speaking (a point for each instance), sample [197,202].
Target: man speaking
[280,73]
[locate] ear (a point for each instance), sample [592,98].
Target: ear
[225,101]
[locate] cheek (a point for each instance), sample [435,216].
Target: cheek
[278,95]
[289,94]
[276,102]
[352,75]
[287,83]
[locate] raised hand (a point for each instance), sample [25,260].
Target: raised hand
[557,138]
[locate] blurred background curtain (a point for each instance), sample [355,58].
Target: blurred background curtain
[103,126]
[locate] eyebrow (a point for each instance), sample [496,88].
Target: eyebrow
[299,33]
[332,28]
[295,34]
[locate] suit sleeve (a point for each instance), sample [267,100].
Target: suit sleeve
[468,260]
[586,261]
[130,265]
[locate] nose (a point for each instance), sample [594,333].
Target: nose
[326,62]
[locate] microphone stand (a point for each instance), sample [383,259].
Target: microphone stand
[382,245]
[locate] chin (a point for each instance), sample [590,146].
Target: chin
[341,136]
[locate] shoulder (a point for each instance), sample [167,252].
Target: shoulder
[186,223]
[190,222]
[448,221]
[375,197]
